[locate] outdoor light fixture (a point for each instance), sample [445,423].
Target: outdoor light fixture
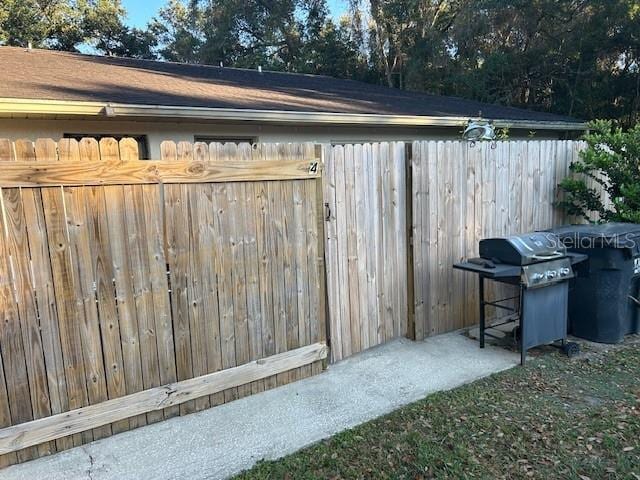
[477,131]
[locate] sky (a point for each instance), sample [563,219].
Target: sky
[140,12]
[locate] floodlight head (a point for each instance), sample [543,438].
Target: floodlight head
[476,131]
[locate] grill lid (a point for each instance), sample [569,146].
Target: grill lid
[523,249]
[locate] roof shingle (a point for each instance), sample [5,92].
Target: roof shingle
[52,75]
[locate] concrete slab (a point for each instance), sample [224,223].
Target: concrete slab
[225,440]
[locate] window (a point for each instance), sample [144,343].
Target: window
[143,145]
[221,139]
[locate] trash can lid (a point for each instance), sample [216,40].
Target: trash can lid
[612,235]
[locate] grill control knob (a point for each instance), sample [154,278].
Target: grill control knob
[537,277]
[550,274]
[564,271]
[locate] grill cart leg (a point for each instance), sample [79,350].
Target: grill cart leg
[482,309]
[523,351]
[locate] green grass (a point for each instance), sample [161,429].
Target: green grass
[555,418]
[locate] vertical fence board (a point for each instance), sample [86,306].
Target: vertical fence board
[238,212]
[360,226]
[65,290]
[11,333]
[45,298]
[103,275]
[178,246]
[352,294]
[142,290]
[78,227]
[265,267]
[388,240]
[418,195]
[15,225]
[120,256]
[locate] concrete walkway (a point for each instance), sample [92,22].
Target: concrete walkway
[225,440]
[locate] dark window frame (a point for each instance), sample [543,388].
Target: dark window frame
[225,139]
[143,140]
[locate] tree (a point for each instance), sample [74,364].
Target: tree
[176,30]
[290,35]
[67,24]
[611,161]
[49,24]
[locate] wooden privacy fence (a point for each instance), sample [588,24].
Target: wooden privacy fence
[366,246]
[133,291]
[463,192]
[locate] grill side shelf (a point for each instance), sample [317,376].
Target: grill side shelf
[499,271]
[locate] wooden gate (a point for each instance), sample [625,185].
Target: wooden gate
[133,291]
[366,247]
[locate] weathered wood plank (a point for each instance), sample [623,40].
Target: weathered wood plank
[11,337]
[331,246]
[153,197]
[45,296]
[6,154]
[196,332]
[400,227]
[102,268]
[284,285]
[16,219]
[301,251]
[360,226]
[204,257]
[352,294]
[5,418]
[50,428]
[371,205]
[120,256]
[223,232]
[65,287]
[315,240]
[135,220]
[265,267]
[342,251]
[317,277]
[79,227]
[178,245]
[418,229]
[237,229]
[254,311]
[113,172]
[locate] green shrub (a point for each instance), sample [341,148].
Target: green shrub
[612,160]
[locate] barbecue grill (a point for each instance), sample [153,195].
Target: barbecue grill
[540,267]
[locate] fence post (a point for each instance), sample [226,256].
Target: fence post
[411,318]
[322,261]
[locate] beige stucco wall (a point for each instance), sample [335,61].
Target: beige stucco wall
[162,130]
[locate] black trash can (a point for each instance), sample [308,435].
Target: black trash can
[604,300]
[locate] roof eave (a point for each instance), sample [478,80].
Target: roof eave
[30,108]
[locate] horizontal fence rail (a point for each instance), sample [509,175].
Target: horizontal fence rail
[155,399]
[119,278]
[51,174]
